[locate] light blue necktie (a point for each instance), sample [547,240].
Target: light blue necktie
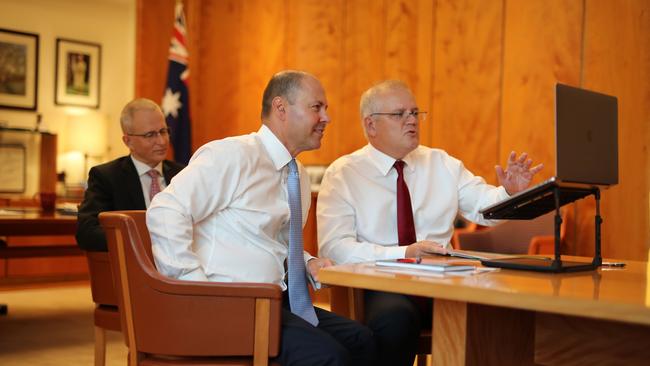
[299,299]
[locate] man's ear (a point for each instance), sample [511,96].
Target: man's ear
[278,106]
[127,141]
[370,126]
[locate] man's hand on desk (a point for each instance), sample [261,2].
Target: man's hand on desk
[315,264]
[424,247]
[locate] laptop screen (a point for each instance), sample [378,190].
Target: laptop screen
[586,132]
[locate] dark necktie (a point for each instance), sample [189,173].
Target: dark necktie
[405,225]
[299,299]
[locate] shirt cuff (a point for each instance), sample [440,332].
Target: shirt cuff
[395,252]
[195,275]
[307,257]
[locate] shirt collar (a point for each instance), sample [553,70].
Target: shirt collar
[143,168]
[277,151]
[384,162]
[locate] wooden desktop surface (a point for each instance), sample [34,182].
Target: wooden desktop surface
[527,311]
[614,294]
[14,222]
[32,222]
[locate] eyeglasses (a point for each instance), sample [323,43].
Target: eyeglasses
[164,132]
[402,116]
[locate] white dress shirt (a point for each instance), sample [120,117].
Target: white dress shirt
[145,179]
[357,210]
[225,217]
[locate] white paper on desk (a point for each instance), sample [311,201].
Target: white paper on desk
[417,273]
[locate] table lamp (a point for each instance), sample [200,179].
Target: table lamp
[85,139]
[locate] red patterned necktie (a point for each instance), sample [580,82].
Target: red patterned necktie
[405,225]
[154,188]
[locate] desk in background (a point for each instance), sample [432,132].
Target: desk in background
[34,234]
[524,318]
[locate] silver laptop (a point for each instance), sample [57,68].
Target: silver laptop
[586,142]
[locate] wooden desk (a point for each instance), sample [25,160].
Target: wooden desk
[523,318]
[35,223]
[31,222]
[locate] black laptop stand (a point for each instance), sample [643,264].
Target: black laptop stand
[543,202]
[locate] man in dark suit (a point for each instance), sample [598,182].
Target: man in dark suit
[129,182]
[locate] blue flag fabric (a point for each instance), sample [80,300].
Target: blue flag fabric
[175,102]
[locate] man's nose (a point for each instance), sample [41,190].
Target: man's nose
[325,117]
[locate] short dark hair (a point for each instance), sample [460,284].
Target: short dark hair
[283,84]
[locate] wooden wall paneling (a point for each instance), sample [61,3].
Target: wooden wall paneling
[154,22]
[542,46]
[193,21]
[401,52]
[219,91]
[467,85]
[363,47]
[408,51]
[314,44]
[424,65]
[261,56]
[617,62]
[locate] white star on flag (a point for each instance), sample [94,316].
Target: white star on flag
[171,103]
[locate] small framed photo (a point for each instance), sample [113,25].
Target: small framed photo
[77,73]
[18,70]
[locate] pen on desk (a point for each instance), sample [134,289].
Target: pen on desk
[410,260]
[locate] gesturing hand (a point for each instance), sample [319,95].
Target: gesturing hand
[518,173]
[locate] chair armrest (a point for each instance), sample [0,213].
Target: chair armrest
[542,245]
[221,289]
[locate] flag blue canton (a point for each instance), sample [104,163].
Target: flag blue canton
[175,102]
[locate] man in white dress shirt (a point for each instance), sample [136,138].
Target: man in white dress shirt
[359,216]
[226,218]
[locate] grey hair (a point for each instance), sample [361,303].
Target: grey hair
[283,84]
[368,103]
[139,104]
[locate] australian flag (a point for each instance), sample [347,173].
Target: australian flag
[175,102]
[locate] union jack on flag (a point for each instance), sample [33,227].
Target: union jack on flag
[175,102]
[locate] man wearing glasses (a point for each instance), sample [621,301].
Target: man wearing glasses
[394,199]
[129,182]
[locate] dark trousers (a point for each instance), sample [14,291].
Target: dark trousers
[396,322]
[335,341]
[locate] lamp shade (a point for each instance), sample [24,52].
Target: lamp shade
[86,133]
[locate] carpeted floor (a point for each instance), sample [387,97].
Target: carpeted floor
[52,326]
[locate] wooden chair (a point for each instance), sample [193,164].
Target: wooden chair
[106,315]
[515,237]
[173,322]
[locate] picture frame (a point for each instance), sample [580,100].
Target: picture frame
[13,167]
[18,70]
[77,70]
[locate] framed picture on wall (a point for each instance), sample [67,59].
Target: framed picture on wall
[18,70]
[77,73]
